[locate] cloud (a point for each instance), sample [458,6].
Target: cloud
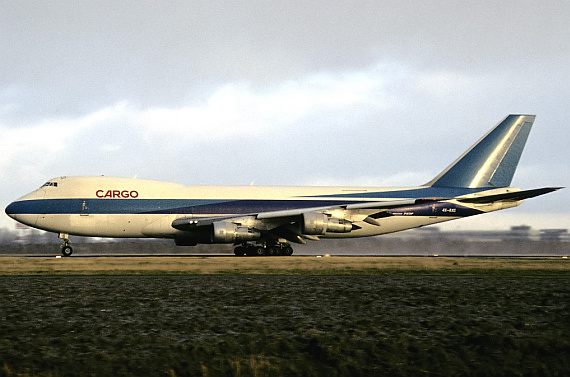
[68,59]
[34,147]
[42,139]
[446,83]
[238,110]
[235,111]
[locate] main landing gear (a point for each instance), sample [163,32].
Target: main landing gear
[265,249]
[66,249]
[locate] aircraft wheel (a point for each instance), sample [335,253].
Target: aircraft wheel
[239,251]
[66,250]
[272,251]
[287,250]
[259,251]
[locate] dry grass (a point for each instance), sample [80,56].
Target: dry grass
[283,266]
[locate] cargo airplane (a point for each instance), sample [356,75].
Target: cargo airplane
[265,220]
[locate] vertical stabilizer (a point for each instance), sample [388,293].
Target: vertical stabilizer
[492,161]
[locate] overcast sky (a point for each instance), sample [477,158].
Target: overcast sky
[382,93]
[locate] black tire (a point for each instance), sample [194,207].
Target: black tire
[239,251]
[66,251]
[272,251]
[287,250]
[259,251]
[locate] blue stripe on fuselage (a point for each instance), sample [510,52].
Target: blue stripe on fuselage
[214,207]
[161,206]
[98,206]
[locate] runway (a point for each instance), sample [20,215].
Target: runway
[87,256]
[300,265]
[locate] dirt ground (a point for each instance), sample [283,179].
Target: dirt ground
[285,325]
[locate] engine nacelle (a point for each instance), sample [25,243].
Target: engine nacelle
[226,232]
[318,224]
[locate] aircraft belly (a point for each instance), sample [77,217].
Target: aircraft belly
[160,226]
[103,225]
[59,223]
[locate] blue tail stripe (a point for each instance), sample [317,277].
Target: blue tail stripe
[504,173]
[492,161]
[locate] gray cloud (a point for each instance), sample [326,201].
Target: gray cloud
[73,57]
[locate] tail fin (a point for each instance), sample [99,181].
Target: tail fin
[492,161]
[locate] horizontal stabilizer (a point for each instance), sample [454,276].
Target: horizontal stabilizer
[510,196]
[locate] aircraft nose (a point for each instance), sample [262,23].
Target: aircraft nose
[22,212]
[12,209]
[17,209]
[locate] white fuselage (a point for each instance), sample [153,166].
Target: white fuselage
[127,207]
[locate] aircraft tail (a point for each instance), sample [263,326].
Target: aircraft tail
[491,161]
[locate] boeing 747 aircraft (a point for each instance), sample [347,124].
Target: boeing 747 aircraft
[265,220]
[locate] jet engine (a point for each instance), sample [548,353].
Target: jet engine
[225,232]
[218,232]
[318,224]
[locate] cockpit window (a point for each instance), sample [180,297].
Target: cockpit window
[52,184]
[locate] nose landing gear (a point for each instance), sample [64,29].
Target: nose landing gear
[66,249]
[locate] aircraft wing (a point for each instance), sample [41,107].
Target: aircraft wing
[189,223]
[296,225]
[364,205]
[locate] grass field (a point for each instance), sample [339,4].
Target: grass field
[284,317]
